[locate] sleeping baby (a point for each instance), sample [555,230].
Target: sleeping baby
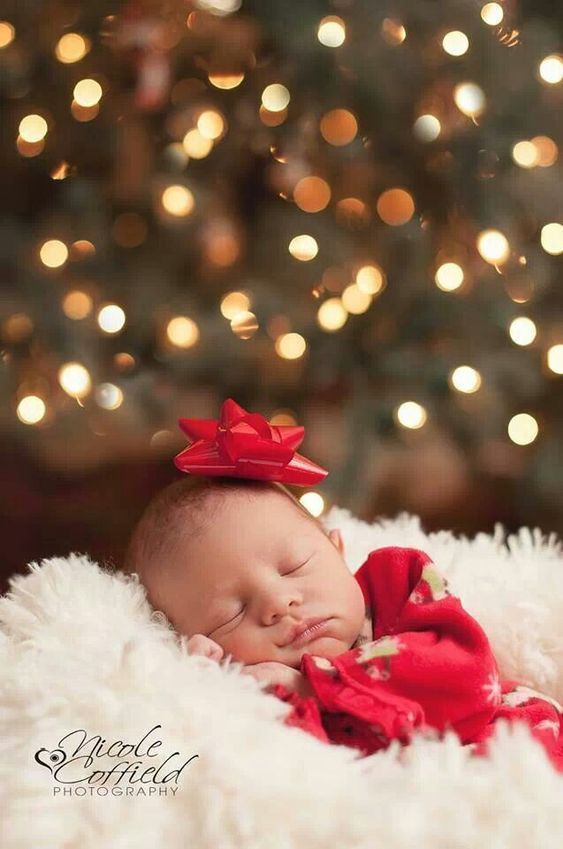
[242,569]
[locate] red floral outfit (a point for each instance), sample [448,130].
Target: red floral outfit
[420,661]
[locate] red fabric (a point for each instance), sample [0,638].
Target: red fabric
[429,665]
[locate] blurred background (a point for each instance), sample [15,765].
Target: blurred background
[344,214]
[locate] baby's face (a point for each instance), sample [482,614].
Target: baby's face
[259,568]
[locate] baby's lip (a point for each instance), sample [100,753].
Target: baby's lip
[302,626]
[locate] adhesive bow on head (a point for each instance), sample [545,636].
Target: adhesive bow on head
[244,445]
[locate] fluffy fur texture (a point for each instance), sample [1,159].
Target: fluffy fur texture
[79,647]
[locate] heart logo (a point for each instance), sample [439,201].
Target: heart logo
[50,758]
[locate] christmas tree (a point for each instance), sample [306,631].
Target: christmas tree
[346,215]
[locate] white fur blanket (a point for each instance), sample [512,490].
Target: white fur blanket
[79,649]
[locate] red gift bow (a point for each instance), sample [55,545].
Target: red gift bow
[244,445]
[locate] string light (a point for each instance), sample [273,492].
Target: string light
[33,128]
[449,277]
[109,396]
[493,246]
[469,99]
[275,97]
[465,379]
[552,238]
[75,380]
[427,128]
[87,93]
[72,47]
[370,279]
[555,359]
[355,301]
[290,346]
[313,502]
[455,43]
[31,410]
[234,302]
[551,69]
[332,31]
[492,14]
[244,324]
[53,253]
[411,415]
[7,34]
[177,201]
[182,331]
[332,315]
[523,429]
[522,331]
[111,318]
[304,248]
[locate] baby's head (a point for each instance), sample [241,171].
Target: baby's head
[243,562]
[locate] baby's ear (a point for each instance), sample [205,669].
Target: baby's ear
[336,538]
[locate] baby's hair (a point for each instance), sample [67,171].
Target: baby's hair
[183,509]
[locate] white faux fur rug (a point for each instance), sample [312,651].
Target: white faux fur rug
[79,649]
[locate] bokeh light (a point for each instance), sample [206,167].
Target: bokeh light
[523,429]
[31,409]
[370,279]
[555,358]
[522,331]
[395,207]
[33,128]
[338,127]
[87,93]
[7,34]
[275,97]
[455,43]
[75,379]
[449,276]
[53,253]
[196,144]
[356,301]
[177,201]
[411,415]
[182,331]
[492,14]
[313,502]
[226,81]
[109,396]
[303,248]
[234,302]
[493,246]
[469,99]
[290,346]
[427,128]
[72,47]
[111,318]
[525,154]
[211,124]
[332,31]
[465,379]
[77,304]
[551,69]
[332,314]
[244,324]
[312,194]
[552,238]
